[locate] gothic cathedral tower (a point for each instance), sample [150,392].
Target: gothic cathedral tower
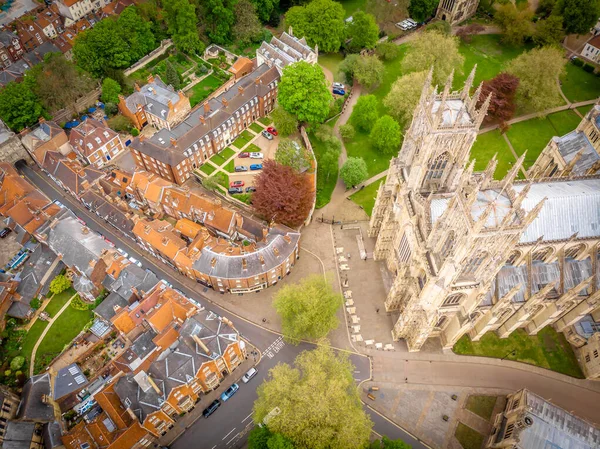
[444,231]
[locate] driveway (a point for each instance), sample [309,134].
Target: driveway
[267,148]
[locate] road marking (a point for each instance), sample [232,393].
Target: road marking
[229,433]
[236,435]
[274,348]
[214,446]
[247,416]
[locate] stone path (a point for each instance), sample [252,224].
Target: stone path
[506,139]
[50,323]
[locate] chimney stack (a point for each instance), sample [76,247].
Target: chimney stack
[224,101]
[173,142]
[201,344]
[206,108]
[150,78]
[151,382]
[240,89]
[202,120]
[170,105]
[142,137]
[136,86]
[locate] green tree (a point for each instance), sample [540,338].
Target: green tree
[17,363]
[278,441]
[363,31]
[515,23]
[265,8]
[285,122]
[348,66]
[549,31]
[59,284]
[386,443]
[35,303]
[369,70]
[136,32]
[101,48]
[219,19]
[545,7]
[434,49]
[110,90]
[347,131]
[386,135]
[441,26]
[579,15]
[365,112]
[421,10]
[19,106]
[538,71]
[318,402]
[328,161]
[387,50]
[181,24]
[210,183]
[321,22]
[354,171]
[404,96]
[259,437]
[172,76]
[291,153]
[247,28]
[120,123]
[303,92]
[307,309]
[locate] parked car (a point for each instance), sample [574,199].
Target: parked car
[249,375]
[214,405]
[250,189]
[339,86]
[256,156]
[256,167]
[241,168]
[229,392]
[122,253]
[267,134]
[272,130]
[234,190]
[337,91]
[244,154]
[5,232]
[236,184]
[134,261]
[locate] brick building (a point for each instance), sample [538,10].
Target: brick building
[95,142]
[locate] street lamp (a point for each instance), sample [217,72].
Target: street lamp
[513,352]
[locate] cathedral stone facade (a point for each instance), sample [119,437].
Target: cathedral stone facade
[472,254]
[455,11]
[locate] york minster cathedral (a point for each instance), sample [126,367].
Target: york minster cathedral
[471,254]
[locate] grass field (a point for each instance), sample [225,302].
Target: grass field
[350,6]
[325,182]
[585,109]
[230,167]
[227,153]
[579,85]
[266,120]
[30,339]
[58,301]
[66,327]
[366,197]
[548,349]
[486,146]
[243,197]
[531,136]
[217,159]
[468,438]
[256,128]
[332,61]
[481,405]
[203,89]
[208,169]
[564,122]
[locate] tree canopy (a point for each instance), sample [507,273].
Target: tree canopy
[319,403]
[503,88]
[291,153]
[247,28]
[172,76]
[282,194]
[387,50]
[549,31]
[515,23]
[579,15]
[369,70]
[354,171]
[434,49]
[321,22]
[307,309]
[386,443]
[19,106]
[265,8]
[538,71]
[404,96]
[182,25]
[421,10]
[363,31]
[59,284]
[303,92]
[386,135]
[365,112]
[285,122]
[110,90]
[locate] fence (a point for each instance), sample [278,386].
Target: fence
[163,47]
[82,104]
[314,174]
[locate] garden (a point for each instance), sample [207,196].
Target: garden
[203,89]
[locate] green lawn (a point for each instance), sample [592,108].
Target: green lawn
[325,183]
[486,146]
[252,148]
[243,197]
[585,109]
[58,301]
[531,136]
[223,179]
[227,153]
[256,128]
[207,168]
[30,339]
[217,159]
[481,405]
[240,142]
[579,85]
[351,6]
[366,197]
[564,122]
[332,61]
[361,146]
[265,120]
[548,349]
[230,167]
[203,89]
[247,135]
[66,327]
[468,438]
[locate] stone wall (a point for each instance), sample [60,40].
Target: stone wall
[163,47]
[11,150]
[82,104]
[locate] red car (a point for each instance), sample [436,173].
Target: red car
[272,130]
[244,154]
[236,184]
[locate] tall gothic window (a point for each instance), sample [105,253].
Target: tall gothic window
[436,168]
[441,321]
[448,245]
[574,251]
[474,263]
[452,300]
[513,257]
[541,254]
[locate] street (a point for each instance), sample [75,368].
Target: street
[234,415]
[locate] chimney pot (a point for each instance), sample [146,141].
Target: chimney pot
[240,89]
[173,142]
[206,108]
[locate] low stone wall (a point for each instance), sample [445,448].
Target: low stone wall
[163,47]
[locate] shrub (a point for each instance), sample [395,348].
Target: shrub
[347,131]
[78,304]
[59,284]
[135,132]
[588,68]
[35,303]
[17,363]
[120,123]
[387,50]
[578,62]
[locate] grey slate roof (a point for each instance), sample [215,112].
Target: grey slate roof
[154,98]
[69,379]
[285,50]
[52,435]
[144,399]
[18,435]
[106,309]
[553,427]
[107,211]
[571,144]
[31,406]
[131,277]
[36,56]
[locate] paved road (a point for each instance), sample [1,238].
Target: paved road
[234,415]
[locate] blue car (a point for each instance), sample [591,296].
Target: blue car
[256,167]
[230,392]
[338,91]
